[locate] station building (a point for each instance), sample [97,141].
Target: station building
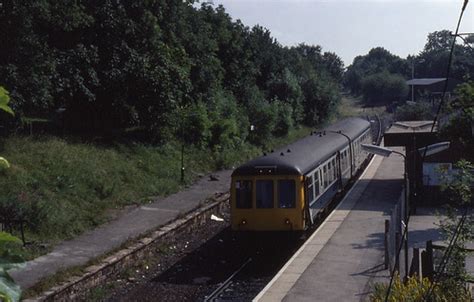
[426,175]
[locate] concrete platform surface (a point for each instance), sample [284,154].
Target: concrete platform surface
[129,225]
[345,255]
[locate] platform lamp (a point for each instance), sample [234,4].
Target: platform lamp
[424,151]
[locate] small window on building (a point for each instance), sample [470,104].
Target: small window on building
[243,194]
[286,193]
[264,194]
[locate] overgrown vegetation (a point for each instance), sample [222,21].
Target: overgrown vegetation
[158,67]
[137,80]
[414,111]
[62,187]
[416,290]
[10,257]
[460,118]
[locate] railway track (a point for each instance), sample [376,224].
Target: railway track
[243,285]
[221,293]
[222,266]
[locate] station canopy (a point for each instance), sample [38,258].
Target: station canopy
[425,81]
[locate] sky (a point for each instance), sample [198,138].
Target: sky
[353,27]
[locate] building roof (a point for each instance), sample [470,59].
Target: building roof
[425,81]
[307,153]
[404,133]
[411,126]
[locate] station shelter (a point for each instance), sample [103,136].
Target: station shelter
[425,175]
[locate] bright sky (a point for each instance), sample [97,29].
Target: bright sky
[352,27]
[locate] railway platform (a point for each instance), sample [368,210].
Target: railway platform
[137,221]
[344,256]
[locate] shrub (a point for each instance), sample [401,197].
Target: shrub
[414,112]
[384,88]
[416,290]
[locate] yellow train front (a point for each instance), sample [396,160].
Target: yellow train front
[286,189]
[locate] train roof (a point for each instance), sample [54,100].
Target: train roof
[307,153]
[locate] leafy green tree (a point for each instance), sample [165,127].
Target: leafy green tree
[113,65]
[432,61]
[10,257]
[378,60]
[383,88]
[4,100]
[460,118]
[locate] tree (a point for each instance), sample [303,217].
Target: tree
[4,100]
[383,88]
[460,120]
[432,61]
[10,257]
[378,60]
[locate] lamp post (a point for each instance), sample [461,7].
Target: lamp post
[385,152]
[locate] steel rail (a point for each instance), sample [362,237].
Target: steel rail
[215,294]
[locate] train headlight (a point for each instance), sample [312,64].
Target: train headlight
[243,222]
[287,221]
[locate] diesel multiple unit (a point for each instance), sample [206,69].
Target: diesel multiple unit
[288,188]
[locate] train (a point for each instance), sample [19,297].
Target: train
[287,189]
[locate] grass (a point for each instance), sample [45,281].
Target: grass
[353,106]
[63,188]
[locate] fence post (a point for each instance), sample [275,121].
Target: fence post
[427,261]
[387,230]
[398,243]
[416,263]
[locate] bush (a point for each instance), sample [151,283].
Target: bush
[416,290]
[383,88]
[263,116]
[196,125]
[284,120]
[414,112]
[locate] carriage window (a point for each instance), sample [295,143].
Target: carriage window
[243,194]
[316,184]
[309,187]
[325,177]
[264,194]
[330,167]
[286,193]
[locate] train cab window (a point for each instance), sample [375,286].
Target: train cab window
[264,194]
[286,193]
[243,194]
